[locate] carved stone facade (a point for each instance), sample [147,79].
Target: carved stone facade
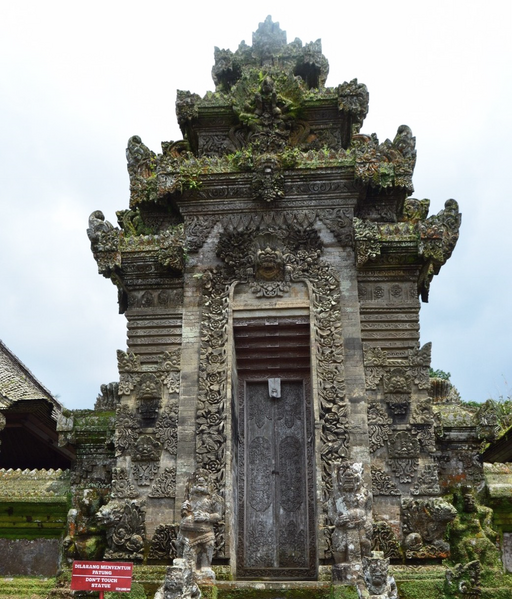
[270,267]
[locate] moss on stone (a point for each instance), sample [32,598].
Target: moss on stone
[420,589]
[25,587]
[137,592]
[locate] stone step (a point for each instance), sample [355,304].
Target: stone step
[259,589]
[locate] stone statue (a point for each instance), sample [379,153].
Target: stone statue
[179,583]
[349,507]
[201,509]
[379,585]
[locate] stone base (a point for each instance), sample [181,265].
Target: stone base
[29,557]
[348,574]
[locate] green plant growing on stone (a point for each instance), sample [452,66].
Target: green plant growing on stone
[439,374]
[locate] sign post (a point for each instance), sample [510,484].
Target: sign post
[102,576]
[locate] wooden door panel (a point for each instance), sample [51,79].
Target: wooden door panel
[276,539]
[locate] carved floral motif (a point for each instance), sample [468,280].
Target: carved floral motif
[125,529]
[164,545]
[122,487]
[165,484]
[166,428]
[379,426]
[382,483]
[385,540]
[126,429]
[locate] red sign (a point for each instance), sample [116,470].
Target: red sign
[101,576]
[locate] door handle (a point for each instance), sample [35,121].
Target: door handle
[275,472]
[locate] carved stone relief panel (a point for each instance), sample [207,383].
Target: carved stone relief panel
[122,487]
[424,523]
[165,484]
[382,483]
[379,426]
[385,540]
[164,544]
[166,428]
[125,524]
[197,230]
[403,450]
[428,481]
[148,394]
[126,430]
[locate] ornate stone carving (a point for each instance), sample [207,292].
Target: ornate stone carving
[104,243]
[108,399]
[387,164]
[126,429]
[339,223]
[367,239]
[379,426]
[128,365]
[141,168]
[487,418]
[382,483]
[427,438]
[125,529]
[165,484]
[122,488]
[178,583]
[398,403]
[385,540]
[148,394]
[164,544]
[169,366]
[404,451]
[428,481]
[146,449]
[424,523]
[201,509]
[144,472]
[438,236]
[413,367]
[197,230]
[166,428]
[301,248]
[353,99]
[422,412]
[267,181]
[397,380]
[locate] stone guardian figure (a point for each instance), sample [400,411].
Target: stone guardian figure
[201,509]
[349,509]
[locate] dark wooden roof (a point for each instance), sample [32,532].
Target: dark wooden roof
[499,450]
[29,437]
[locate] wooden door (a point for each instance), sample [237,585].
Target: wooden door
[276,495]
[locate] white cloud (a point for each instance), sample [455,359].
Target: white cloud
[80,78]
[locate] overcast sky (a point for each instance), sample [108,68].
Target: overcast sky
[79,78]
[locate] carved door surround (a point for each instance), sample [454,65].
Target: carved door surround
[232,293]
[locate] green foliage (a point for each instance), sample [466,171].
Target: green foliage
[439,374]
[26,587]
[420,589]
[137,592]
